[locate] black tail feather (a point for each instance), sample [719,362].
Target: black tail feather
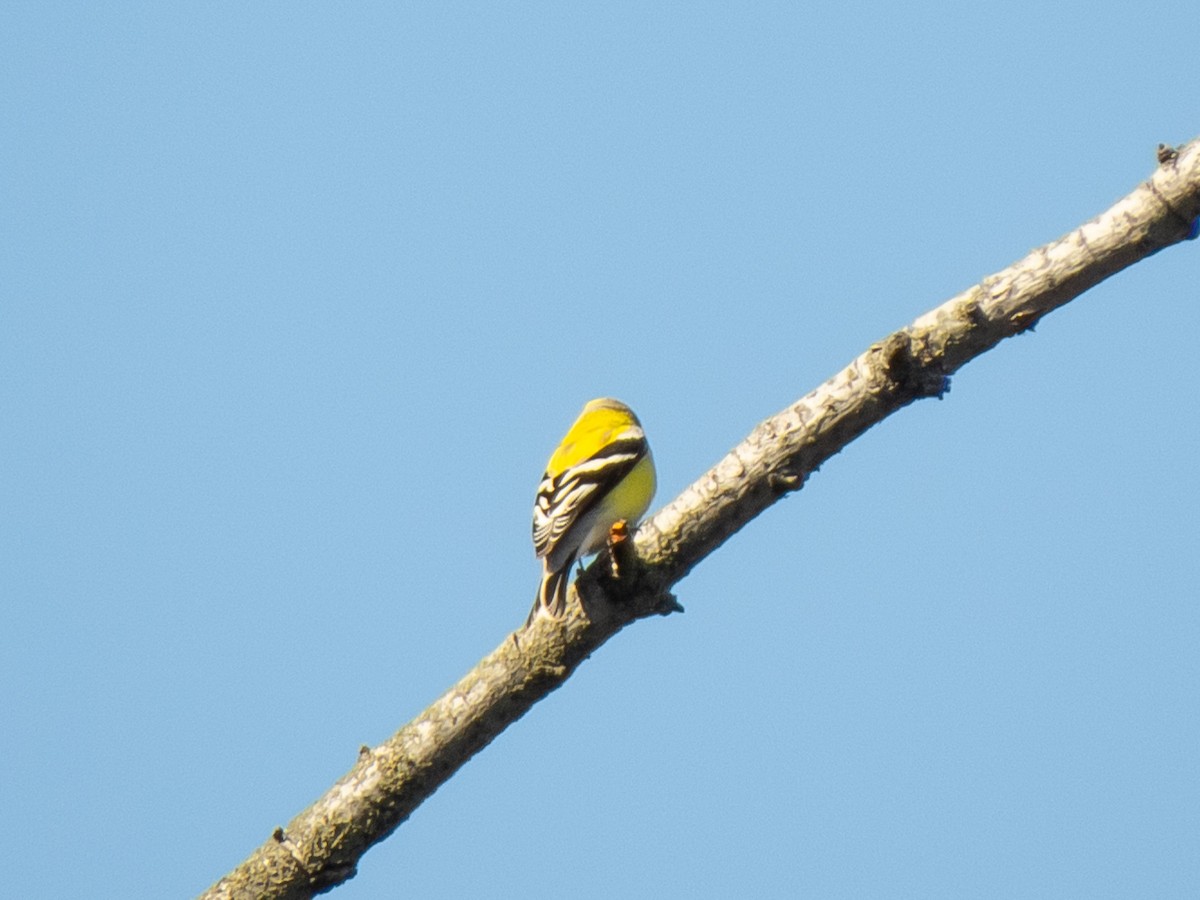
[552,594]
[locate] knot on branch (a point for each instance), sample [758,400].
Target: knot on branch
[785,480]
[667,604]
[1025,321]
[911,375]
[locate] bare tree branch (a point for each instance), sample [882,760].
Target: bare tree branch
[321,847]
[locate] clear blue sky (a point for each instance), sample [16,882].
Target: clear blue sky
[295,300]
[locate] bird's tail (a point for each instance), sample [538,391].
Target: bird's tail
[552,592]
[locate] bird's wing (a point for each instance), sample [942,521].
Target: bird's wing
[563,499]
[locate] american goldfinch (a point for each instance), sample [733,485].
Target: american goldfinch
[601,472]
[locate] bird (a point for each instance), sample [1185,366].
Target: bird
[601,473]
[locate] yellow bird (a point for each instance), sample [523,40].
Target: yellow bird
[601,472]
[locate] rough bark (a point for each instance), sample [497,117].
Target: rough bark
[320,848]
